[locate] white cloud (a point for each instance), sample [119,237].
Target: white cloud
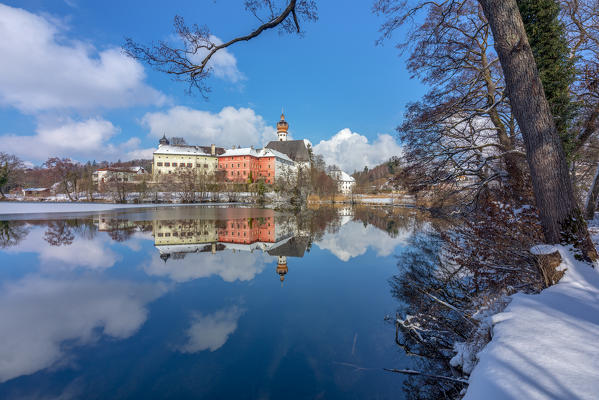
[211,332]
[353,240]
[242,266]
[351,151]
[223,64]
[39,314]
[231,126]
[41,69]
[79,140]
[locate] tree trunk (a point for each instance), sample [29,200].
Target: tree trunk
[592,197]
[560,216]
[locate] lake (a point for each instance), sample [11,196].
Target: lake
[202,303]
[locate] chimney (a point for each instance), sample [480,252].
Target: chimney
[213,149]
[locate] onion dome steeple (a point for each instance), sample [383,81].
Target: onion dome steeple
[163,140]
[282,127]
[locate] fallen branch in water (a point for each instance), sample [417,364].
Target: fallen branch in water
[412,372]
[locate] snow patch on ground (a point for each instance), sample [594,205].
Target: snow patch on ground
[545,346]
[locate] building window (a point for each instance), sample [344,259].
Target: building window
[159,164]
[205,165]
[189,165]
[174,164]
[167,164]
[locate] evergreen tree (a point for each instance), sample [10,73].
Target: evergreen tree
[546,35]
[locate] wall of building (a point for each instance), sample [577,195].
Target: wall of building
[163,164]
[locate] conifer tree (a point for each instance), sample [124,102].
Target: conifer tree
[547,38]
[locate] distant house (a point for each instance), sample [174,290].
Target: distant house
[120,174]
[36,192]
[345,182]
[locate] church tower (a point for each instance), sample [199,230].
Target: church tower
[282,127]
[163,141]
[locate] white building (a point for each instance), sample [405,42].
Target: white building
[345,182]
[171,159]
[120,174]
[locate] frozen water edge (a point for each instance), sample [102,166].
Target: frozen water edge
[9,209]
[544,346]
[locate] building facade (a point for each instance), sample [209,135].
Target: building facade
[246,165]
[345,182]
[172,159]
[118,174]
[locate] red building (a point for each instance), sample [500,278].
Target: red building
[250,165]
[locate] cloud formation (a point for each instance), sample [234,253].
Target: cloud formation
[231,126]
[79,140]
[337,149]
[42,69]
[211,332]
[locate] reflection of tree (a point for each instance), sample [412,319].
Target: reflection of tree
[12,232]
[447,281]
[425,328]
[59,233]
[120,230]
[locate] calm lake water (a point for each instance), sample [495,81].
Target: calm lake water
[202,303]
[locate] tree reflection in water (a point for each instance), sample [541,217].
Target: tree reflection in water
[12,233]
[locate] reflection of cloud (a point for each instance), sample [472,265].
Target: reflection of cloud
[243,266]
[94,254]
[39,314]
[353,239]
[211,332]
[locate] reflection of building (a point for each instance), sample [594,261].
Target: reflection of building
[235,231]
[282,267]
[173,159]
[110,222]
[184,236]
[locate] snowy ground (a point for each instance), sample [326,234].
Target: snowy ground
[545,346]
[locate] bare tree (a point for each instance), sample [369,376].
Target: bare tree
[119,187]
[11,171]
[178,141]
[560,216]
[463,128]
[66,173]
[189,59]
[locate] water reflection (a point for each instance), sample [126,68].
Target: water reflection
[172,294]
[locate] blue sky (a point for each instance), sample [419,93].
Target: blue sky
[65,88]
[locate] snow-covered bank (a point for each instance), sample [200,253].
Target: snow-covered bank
[19,208]
[545,346]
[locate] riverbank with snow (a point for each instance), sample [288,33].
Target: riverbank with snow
[544,346]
